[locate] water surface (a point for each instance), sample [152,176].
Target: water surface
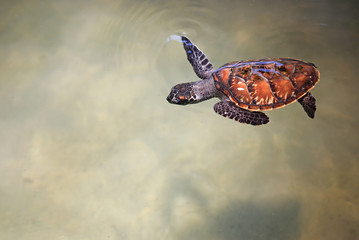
[92,150]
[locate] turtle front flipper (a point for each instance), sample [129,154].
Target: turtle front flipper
[228,109]
[308,103]
[200,63]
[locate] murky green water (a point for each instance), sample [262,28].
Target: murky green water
[90,148]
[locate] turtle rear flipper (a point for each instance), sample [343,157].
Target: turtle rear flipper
[308,103]
[200,63]
[228,109]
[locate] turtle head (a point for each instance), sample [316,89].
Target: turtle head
[182,94]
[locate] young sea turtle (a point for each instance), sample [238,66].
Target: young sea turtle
[248,87]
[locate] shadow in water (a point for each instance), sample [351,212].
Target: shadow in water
[250,221]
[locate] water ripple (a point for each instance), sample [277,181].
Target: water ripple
[141,29]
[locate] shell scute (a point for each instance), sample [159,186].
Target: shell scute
[282,87]
[243,71]
[261,92]
[286,69]
[307,70]
[239,88]
[266,84]
[299,79]
[223,75]
[267,69]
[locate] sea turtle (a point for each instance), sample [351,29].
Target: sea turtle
[248,87]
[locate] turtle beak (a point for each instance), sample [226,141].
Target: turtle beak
[173,99]
[176,99]
[169,98]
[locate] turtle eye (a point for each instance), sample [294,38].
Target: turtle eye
[181,99]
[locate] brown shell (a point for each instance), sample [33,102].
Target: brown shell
[265,84]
